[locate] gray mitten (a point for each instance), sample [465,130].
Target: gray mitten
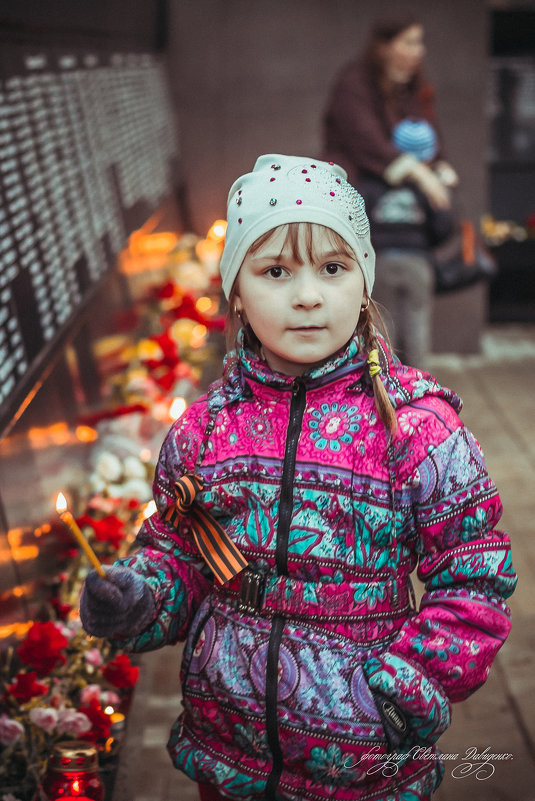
[119,606]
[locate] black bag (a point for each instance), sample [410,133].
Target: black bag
[462,261]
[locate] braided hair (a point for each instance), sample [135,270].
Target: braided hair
[366,327]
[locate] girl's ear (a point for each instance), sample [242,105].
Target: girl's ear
[237,306]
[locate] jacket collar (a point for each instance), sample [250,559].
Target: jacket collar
[403,384]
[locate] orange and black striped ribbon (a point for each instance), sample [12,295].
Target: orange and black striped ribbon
[216,547]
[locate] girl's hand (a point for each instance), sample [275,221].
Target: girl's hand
[120,606]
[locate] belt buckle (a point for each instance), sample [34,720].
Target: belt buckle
[251,591]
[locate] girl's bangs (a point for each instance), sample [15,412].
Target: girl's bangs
[292,241]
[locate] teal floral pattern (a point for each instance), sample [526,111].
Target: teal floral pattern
[332,766]
[334,424]
[366,512]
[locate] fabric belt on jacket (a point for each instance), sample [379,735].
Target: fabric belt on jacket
[254,592]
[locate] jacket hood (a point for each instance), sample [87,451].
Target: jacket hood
[403,383]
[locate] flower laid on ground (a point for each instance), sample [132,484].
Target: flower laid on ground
[58,684]
[121,673]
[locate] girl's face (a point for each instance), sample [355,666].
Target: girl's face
[302,303]
[404,54]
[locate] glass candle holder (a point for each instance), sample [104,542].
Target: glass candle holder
[73,773]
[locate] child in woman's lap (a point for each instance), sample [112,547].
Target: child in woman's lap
[333,471]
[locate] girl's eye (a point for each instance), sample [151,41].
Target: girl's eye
[275,272]
[333,268]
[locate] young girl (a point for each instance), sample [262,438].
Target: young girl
[294,501]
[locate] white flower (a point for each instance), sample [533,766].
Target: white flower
[134,467]
[108,466]
[136,488]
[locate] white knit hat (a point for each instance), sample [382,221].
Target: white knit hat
[286,189]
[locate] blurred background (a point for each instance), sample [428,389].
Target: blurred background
[122,126]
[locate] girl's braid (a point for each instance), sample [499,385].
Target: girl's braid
[382,401]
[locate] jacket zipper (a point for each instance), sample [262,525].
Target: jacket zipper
[297,409]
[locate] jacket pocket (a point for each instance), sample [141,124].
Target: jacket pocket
[329,727]
[420,699]
[197,639]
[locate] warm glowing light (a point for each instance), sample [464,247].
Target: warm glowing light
[217,231]
[17,551]
[109,710]
[85,434]
[177,408]
[75,786]
[61,503]
[149,509]
[145,454]
[204,304]
[198,334]
[18,630]
[44,529]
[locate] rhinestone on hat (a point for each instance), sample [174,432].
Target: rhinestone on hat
[337,191]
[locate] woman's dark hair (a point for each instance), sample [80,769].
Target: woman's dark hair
[382,33]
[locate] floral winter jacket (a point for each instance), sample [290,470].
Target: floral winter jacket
[332,515]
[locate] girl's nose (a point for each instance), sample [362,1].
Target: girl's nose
[307,293]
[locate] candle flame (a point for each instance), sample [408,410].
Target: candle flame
[61,503]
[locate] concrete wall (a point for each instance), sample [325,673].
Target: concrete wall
[252,76]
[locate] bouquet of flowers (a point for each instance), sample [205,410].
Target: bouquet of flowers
[58,684]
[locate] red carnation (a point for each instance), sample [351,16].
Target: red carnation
[26,686]
[100,722]
[121,673]
[42,647]
[108,529]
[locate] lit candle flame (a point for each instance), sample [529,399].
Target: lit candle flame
[61,503]
[70,522]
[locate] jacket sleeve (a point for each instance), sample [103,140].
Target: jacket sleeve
[166,557]
[445,651]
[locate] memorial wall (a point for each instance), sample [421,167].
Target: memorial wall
[88,153]
[87,147]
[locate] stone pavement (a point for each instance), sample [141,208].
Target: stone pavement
[498,389]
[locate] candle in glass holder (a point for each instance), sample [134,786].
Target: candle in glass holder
[73,773]
[70,522]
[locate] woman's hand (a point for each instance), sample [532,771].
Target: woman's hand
[431,185]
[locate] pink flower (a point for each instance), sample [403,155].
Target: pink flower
[94,657]
[45,717]
[90,693]
[111,698]
[67,632]
[69,720]
[10,730]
